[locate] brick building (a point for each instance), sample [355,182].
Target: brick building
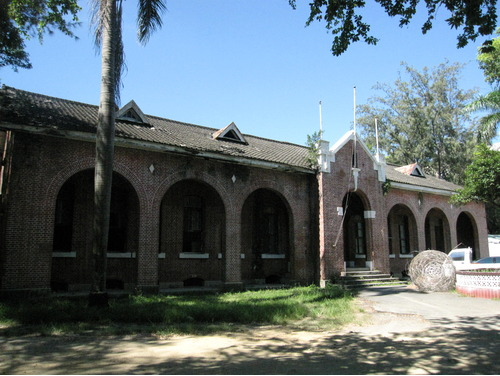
[198,206]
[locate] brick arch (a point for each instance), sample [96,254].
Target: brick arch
[431,240]
[176,246]
[410,205]
[367,205]
[411,227]
[181,175]
[267,257]
[282,191]
[467,233]
[71,169]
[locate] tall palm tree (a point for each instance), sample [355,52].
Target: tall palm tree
[107,16]
[488,124]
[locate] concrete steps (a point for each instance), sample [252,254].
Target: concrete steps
[357,278]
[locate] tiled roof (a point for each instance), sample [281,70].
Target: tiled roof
[25,108]
[41,111]
[428,181]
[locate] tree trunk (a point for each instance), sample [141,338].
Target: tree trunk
[104,151]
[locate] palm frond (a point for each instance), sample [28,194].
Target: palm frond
[149,18]
[488,102]
[488,125]
[96,22]
[119,50]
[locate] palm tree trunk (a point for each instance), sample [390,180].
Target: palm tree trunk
[104,148]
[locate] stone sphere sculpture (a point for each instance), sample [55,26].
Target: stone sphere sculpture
[432,271]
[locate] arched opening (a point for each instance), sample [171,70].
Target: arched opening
[72,237]
[402,238]
[192,235]
[265,237]
[402,231]
[354,229]
[437,231]
[466,234]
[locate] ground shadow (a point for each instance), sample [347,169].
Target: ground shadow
[462,346]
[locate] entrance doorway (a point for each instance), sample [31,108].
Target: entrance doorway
[466,234]
[354,231]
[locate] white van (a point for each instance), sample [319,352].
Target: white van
[462,258]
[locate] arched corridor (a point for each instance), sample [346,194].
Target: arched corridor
[192,235]
[72,237]
[266,234]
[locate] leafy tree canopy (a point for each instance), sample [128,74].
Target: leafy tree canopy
[482,178]
[489,60]
[421,119]
[313,145]
[345,20]
[21,20]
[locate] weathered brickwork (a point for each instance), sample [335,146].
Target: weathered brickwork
[419,204]
[157,182]
[315,222]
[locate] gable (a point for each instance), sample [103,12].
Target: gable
[230,133]
[412,170]
[131,112]
[327,156]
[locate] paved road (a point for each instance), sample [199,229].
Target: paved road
[433,306]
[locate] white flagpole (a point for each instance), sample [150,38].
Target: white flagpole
[320,121]
[355,134]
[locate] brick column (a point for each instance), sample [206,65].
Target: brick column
[232,271]
[147,254]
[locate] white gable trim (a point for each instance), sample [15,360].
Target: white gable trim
[328,156]
[134,107]
[231,128]
[418,171]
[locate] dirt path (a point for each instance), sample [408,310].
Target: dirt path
[383,343]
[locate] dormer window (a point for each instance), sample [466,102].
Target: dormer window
[412,170]
[418,172]
[230,133]
[132,113]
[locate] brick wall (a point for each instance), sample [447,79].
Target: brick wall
[333,188]
[424,205]
[43,164]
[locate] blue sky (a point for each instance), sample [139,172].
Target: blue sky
[253,63]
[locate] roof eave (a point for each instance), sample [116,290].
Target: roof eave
[156,147]
[419,188]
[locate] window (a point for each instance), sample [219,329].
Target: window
[117,235]
[360,237]
[389,235]
[63,226]
[404,235]
[230,133]
[270,230]
[439,235]
[193,224]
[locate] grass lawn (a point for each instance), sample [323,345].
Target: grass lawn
[164,315]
